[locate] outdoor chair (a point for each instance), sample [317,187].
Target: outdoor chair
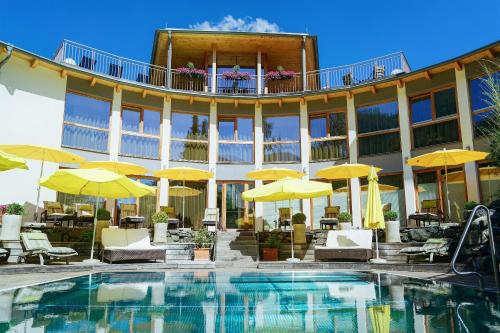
[173,221]
[330,218]
[430,213]
[378,72]
[53,212]
[211,218]
[432,247]
[285,217]
[87,63]
[129,244]
[84,213]
[115,70]
[347,245]
[347,79]
[387,207]
[129,216]
[37,244]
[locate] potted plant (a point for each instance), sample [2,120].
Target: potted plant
[270,251]
[236,75]
[160,223]
[392,227]
[191,72]
[191,78]
[3,209]
[11,222]
[203,239]
[345,220]
[299,228]
[468,208]
[103,221]
[279,74]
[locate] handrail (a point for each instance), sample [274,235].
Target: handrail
[492,248]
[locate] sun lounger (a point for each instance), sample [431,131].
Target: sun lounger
[37,244]
[129,244]
[346,244]
[433,246]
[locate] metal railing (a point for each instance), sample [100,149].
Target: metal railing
[93,60]
[491,240]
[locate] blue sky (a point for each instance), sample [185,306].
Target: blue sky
[348,31]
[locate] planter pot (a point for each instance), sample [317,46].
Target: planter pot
[269,254]
[299,233]
[11,227]
[392,232]
[345,225]
[101,224]
[160,235]
[201,254]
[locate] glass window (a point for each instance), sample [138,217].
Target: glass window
[328,136]
[236,140]
[445,102]
[245,129]
[481,105]
[456,193]
[427,187]
[189,139]
[226,129]
[434,134]
[338,124]
[131,120]
[489,175]
[194,206]
[152,122]
[281,139]
[328,150]
[318,127]
[393,200]
[379,144]
[86,123]
[421,109]
[377,117]
[140,133]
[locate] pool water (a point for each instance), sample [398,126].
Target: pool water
[247,302]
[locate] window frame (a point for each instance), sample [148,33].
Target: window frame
[379,132]
[328,137]
[71,123]
[140,133]
[236,139]
[171,138]
[478,111]
[264,142]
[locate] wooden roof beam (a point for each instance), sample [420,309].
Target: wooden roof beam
[490,53]
[325,98]
[63,73]
[401,83]
[34,63]
[373,90]
[427,75]
[144,93]
[236,103]
[349,94]
[93,81]
[280,102]
[118,88]
[458,65]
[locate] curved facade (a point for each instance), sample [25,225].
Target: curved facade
[376,112]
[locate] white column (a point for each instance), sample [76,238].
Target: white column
[405,133]
[355,199]
[466,129]
[115,125]
[214,69]
[259,156]
[304,157]
[212,156]
[259,72]
[166,126]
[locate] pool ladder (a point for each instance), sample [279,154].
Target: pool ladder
[492,248]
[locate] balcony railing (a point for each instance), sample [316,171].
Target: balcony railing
[87,58]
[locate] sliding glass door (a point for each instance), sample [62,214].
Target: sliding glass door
[235,212]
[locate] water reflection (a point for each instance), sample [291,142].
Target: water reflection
[246,302]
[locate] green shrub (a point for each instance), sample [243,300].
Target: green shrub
[390,216]
[86,236]
[345,217]
[15,209]
[273,242]
[298,218]
[103,214]
[159,217]
[203,238]
[470,205]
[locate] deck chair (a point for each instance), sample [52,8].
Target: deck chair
[128,216]
[37,244]
[53,211]
[115,70]
[330,218]
[285,217]
[87,63]
[432,247]
[378,72]
[84,213]
[173,221]
[430,212]
[211,218]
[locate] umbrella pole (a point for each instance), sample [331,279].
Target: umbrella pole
[348,195]
[376,242]
[183,202]
[38,193]
[291,227]
[93,232]
[447,192]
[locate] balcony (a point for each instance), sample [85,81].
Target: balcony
[128,70]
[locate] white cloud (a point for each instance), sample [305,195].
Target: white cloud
[230,23]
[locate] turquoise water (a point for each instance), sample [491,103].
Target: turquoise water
[246,302]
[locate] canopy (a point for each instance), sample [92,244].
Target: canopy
[447,157]
[42,153]
[184,173]
[364,188]
[182,191]
[122,168]
[374,214]
[345,171]
[96,182]
[8,161]
[288,189]
[274,174]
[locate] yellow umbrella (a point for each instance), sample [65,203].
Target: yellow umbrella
[288,189]
[364,188]
[98,183]
[380,316]
[184,173]
[447,157]
[274,174]
[8,161]
[182,191]
[122,168]
[374,216]
[44,154]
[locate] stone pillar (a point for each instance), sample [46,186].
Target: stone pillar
[169,60]
[214,69]
[304,157]
[114,136]
[259,156]
[467,131]
[259,72]
[166,126]
[212,155]
[304,67]
[355,199]
[405,132]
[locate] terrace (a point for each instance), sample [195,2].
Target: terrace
[211,82]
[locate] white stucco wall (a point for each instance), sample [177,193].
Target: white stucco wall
[31,112]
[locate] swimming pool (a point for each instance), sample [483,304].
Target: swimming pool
[250,301]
